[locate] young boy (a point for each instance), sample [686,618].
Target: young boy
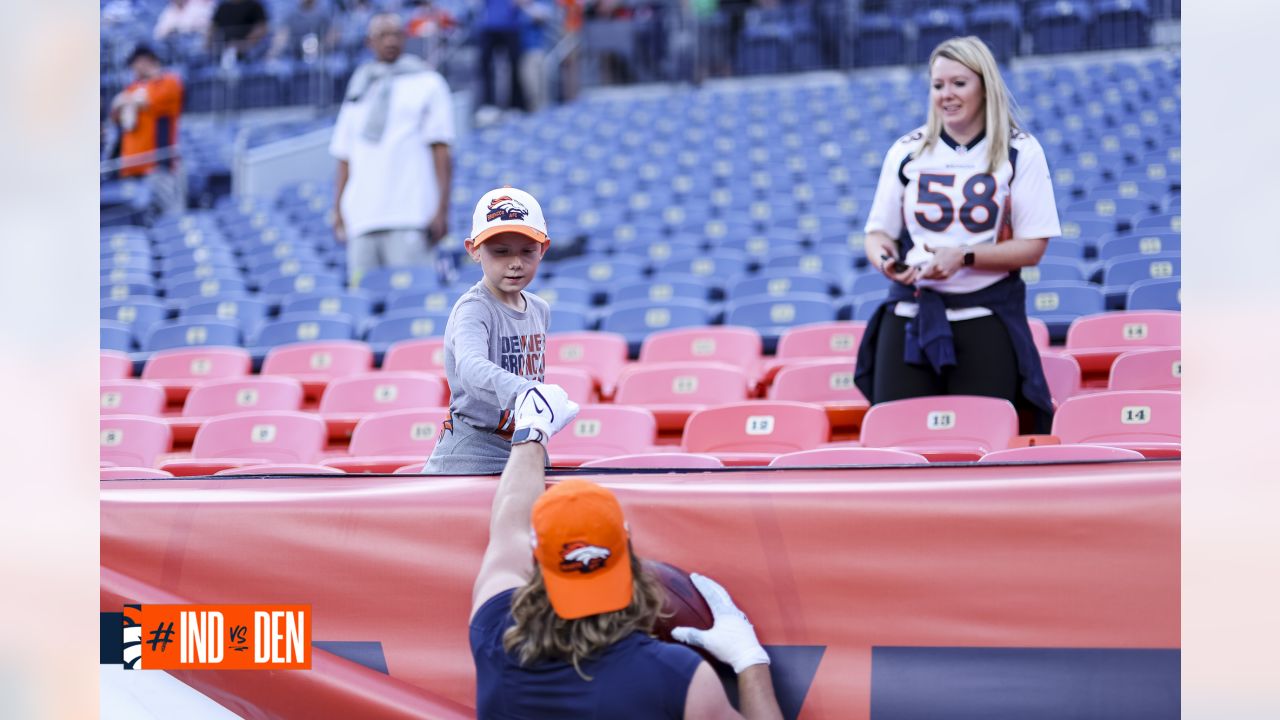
[495,339]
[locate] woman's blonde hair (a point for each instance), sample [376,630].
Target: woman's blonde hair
[1001,112]
[539,634]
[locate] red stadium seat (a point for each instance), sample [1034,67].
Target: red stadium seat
[828,383]
[315,364]
[831,456]
[737,346]
[281,469]
[578,383]
[1096,340]
[131,473]
[1039,333]
[674,391]
[602,354]
[825,341]
[180,369]
[114,365]
[657,460]
[755,432]
[132,440]
[1147,370]
[1149,421]
[410,469]
[253,438]
[943,427]
[233,395]
[1062,372]
[1060,453]
[348,399]
[385,442]
[131,397]
[601,431]
[422,355]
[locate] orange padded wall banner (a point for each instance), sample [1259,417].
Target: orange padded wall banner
[828,564]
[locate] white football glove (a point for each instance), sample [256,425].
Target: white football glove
[732,639]
[546,408]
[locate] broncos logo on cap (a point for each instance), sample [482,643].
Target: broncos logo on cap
[583,558]
[505,208]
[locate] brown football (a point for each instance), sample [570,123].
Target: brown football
[684,606]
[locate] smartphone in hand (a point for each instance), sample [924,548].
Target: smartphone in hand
[898,266]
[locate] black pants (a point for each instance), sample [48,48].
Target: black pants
[508,43]
[985,363]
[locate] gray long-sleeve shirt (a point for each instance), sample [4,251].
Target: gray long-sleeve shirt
[491,354]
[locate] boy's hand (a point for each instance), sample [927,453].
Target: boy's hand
[545,409]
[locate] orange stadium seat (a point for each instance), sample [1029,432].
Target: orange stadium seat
[233,395]
[757,431]
[131,473]
[577,382]
[180,369]
[132,440]
[281,469]
[1147,370]
[1096,340]
[830,456]
[602,431]
[1062,372]
[828,383]
[315,364]
[658,460]
[817,341]
[1060,453]
[348,399]
[114,365]
[422,355]
[252,438]
[1149,421]
[388,441]
[942,427]
[738,346]
[131,397]
[601,354]
[674,391]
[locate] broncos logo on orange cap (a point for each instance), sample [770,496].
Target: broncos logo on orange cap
[583,558]
[505,208]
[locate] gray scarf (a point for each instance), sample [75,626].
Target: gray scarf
[376,78]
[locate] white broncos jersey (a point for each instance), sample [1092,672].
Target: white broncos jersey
[946,198]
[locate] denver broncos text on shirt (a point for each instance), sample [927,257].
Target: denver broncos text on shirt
[523,355]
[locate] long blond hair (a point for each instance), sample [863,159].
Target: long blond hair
[539,634]
[1001,111]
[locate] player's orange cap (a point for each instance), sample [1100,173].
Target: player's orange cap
[580,542]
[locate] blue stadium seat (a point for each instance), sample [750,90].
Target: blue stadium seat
[382,281]
[870,281]
[662,288]
[430,300]
[1155,294]
[934,25]
[1052,270]
[1057,304]
[571,318]
[335,301]
[778,285]
[713,267]
[1138,243]
[1060,26]
[1169,222]
[773,316]
[186,332]
[249,312]
[601,273]
[1119,273]
[199,273]
[635,320]
[999,24]
[275,285]
[302,327]
[137,287]
[1121,24]
[879,40]
[207,288]
[137,313]
[114,335]
[405,325]
[565,290]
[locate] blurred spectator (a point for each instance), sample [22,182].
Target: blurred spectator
[354,22]
[394,168]
[498,31]
[239,26]
[184,17]
[536,22]
[147,113]
[429,20]
[307,32]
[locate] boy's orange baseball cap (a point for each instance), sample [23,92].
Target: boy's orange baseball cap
[580,542]
[508,210]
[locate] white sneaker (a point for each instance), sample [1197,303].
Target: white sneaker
[546,408]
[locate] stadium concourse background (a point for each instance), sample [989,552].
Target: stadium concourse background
[725,156]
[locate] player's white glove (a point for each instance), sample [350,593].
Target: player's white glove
[542,411]
[732,639]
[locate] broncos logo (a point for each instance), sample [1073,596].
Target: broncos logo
[504,208]
[582,557]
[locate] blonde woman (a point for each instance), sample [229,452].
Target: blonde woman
[562,631]
[962,204]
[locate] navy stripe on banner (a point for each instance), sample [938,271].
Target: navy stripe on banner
[110,638]
[911,683]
